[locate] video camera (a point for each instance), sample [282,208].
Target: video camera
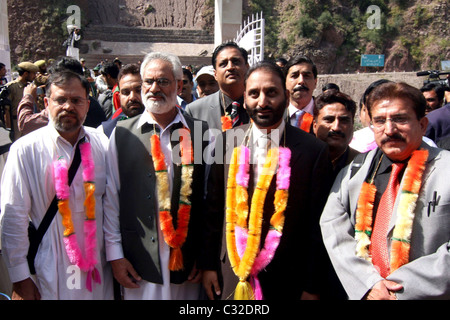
[434,77]
[4,101]
[4,93]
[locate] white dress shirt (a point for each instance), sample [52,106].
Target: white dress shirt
[261,147]
[113,243]
[292,111]
[27,191]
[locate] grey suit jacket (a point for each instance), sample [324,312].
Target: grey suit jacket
[207,109]
[427,275]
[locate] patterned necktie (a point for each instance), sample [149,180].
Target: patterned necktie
[234,115]
[379,249]
[297,116]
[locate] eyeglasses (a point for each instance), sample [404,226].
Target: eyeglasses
[61,101]
[380,123]
[162,82]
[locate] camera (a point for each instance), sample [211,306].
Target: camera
[4,101]
[434,77]
[4,97]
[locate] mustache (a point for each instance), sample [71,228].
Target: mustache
[336,134]
[67,113]
[157,94]
[300,87]
[394,137]
[134,103]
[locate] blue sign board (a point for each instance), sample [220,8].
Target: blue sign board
[372,60]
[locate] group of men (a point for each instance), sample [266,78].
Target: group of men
[244,193]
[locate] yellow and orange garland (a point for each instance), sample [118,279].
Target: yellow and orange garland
[175,238]
[245,258]
[401,238]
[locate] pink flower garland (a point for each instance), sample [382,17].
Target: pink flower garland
[273,236]
[90,227]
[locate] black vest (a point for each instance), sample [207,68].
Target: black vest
[138,202]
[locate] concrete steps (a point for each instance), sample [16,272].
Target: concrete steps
[128,34]
[93,59]
[130,45]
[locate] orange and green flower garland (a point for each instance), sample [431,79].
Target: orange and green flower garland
[400,247]
[175,238]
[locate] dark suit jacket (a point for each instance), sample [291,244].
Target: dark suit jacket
[138,206]
[298,261]
[439,123]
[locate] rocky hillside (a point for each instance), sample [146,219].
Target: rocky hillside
[413,35]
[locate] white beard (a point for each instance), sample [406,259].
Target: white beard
[160,107]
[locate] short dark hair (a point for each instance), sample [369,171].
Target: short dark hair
[66,63]
[59,78]
[188,73]
[110,68]
[282,60]
[298,59]
[369,89]
[330,86]
[230,44]
[129,69]
[2,65]
[269,66]
[400,90]
[439,89]
[331,97]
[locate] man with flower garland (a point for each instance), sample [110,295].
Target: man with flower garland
[263,239]
[397,249]
[70,262]
[155,189]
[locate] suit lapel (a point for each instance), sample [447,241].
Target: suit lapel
[215,108]
[355,183]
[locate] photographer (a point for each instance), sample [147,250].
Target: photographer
[71,43]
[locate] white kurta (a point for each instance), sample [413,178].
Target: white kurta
[71,50]
[147,290]
[27,191]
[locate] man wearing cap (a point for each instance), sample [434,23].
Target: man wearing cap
[41,75]
[27,73]
[206,82]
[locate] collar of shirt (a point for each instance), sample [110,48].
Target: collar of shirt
[166,146]
[229,101]
[309,108]
[275,134]
[57,138]
[145,117]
